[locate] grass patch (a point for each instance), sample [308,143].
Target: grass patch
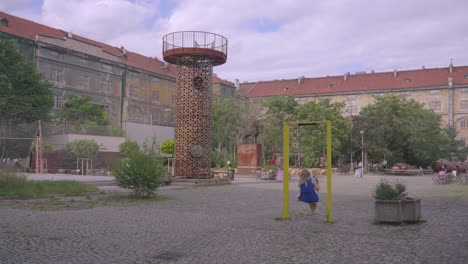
[13,184]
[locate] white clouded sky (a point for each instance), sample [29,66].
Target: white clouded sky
[276,39]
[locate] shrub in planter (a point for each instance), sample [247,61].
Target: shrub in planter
[393,205]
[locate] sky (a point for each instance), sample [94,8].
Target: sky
[275,39]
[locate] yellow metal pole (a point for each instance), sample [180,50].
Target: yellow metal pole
[285,171]
[329,176]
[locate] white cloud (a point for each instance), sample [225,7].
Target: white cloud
[314,38]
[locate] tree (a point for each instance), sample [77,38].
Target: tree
[143,170]
[401,130]
[84,148]
[226,122]
[167,146]
[22,88]
[24,98]
[311,140]
[80,110]
[279,110]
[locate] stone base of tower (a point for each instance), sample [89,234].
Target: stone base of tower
[249,158]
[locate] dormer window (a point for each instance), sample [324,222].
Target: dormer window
[407,80]
[4,22]
[329,85]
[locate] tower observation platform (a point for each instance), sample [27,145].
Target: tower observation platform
[195,43]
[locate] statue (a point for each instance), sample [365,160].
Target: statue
[253,131]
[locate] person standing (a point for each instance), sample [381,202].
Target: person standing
[308,190]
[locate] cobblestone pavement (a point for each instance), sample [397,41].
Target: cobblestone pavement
[235,224]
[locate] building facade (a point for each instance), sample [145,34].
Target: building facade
[139,92]
[444,90]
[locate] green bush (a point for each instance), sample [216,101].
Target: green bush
[142,171]
[388,191]
[128,147]
[84,148]
[9,178]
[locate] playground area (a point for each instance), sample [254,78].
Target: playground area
[236,224]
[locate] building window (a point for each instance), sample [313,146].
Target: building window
[174,100]
[435,106]
[155,80]
[379,94]
[351,109]
[83,81]
[58,102]
[463,104]
[464,90]
[465,76]
[299,99]
[106,86]
[435,92]
[56,75]
[134,75]
[173,119]
[463,123]
[134,92]
[156,117]
[407,80]
[325,98]
[155,96]
[173,84]
[351,97]
[406,93]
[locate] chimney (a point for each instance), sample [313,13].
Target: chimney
[237,84]
[394,73]
[450,82]
[423,67]
[346,76]
[4,21]
[299,80]
[69,35]
[451,66]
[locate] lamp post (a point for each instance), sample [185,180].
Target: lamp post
[362,152]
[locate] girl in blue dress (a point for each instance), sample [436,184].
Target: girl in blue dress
[309,188]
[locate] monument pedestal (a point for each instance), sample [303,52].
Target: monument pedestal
[249,158]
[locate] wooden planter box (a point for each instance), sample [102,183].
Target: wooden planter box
[411,209]
[388,211]
[397,211]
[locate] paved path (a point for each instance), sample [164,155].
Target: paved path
[235,224]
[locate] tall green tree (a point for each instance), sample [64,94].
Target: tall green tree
[311,140]
[226,121]
[400,130]
[81,110]
[278,110]
[24,98]
[24,95]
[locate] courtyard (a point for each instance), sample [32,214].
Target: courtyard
[236,224]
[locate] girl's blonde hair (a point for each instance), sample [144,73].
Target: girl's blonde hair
[303,176]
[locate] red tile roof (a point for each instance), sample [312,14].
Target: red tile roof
[28,29]
[357,83]
[216,79]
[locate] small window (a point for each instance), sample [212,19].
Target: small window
[106,86]
[465,76]
[156,117]
[351,97]
[464,90]
[135,112]
[463,104]
[408,80]
[329,85]
[56,55]
[173,119]
[134,92]
[435,92]
[174,100]
[83,81]
[56,75]
[406,93]
[155,96]
[435,106]
[463,123]
[379,94]
[351,109]
[155,80]
[285,88]
[58,102]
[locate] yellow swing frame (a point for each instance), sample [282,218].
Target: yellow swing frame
[286,166]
